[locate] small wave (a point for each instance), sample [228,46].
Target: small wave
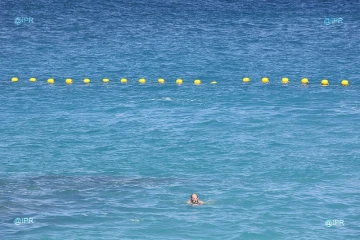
[135,220]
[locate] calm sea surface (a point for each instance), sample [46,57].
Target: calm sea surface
[119,161]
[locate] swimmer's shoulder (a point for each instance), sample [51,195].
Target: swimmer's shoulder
[195,204]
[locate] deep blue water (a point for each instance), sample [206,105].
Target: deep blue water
[113,161]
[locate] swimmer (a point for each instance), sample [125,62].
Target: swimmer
[194,200]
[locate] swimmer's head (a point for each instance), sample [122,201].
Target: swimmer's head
[194,198]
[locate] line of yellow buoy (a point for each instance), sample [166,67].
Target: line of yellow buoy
[179,81]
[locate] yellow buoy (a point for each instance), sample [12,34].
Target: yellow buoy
[86,80]
[265,80]
[105,80]
[284,80]
[304,81]
[246,79]
[161,80]
[197,82]
[50,81]
[324,82]
[179,81]
[142,81]
[14,79]
[345,83]
[213,82]
[68,81]
[123,80]
[32,79]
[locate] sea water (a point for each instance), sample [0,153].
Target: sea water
[119,161]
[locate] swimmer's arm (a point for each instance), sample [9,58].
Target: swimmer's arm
[201,202]
[188,202]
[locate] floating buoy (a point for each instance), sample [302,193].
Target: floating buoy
[284,80]
[197,82]
[304,81]
[246,79]
[179,81]
[324,82]
[345,83]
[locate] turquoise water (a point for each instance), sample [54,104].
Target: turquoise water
[112,161]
